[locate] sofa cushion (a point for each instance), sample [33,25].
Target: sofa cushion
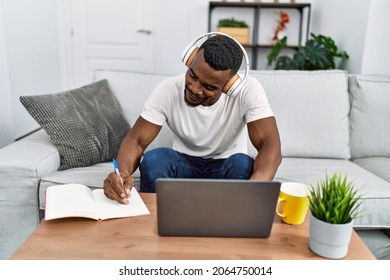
[311,110]
[376,191]
[85,124]
[380,166]
[370,115]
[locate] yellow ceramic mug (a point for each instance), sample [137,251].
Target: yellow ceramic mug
[293,203]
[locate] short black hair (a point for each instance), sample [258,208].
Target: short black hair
[222,53]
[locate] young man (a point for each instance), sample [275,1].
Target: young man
[209,127]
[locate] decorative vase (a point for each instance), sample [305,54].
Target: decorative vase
[329,240]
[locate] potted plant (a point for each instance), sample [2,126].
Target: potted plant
[319,53]
[238,29]
[334,203]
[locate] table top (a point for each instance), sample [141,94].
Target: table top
[137,238]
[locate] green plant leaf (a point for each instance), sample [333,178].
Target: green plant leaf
[299,59]
[275,51]
[318,56]
[231,22]
[286,63]
[334,199]
[319,53]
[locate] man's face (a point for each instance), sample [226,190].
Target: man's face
[204,84]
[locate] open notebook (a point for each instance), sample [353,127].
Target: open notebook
[76,200]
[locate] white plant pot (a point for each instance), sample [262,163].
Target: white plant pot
[329,240]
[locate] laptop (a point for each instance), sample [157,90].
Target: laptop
[216,207]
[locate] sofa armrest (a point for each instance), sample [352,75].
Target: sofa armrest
[22,165]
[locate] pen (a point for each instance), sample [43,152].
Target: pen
[119,175]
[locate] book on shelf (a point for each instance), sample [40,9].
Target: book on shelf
[76,200]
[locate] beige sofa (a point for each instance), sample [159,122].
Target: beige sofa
[328,121]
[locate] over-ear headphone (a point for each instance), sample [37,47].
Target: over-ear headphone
[234,85]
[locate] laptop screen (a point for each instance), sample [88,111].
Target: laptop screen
[215,207]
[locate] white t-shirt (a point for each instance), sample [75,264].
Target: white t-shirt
[216,131]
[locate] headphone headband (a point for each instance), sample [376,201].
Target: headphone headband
[190,51]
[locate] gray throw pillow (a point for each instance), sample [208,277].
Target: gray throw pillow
[85,124]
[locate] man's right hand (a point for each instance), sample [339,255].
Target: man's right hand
[129,155]
[113,189]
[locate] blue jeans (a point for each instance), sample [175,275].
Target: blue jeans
[167,163]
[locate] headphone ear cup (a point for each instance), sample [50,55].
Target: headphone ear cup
[232,86]
[189,55]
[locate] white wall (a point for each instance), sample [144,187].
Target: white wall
[178,22]
[376,57]
[6,119]
[346,22]
[30,32]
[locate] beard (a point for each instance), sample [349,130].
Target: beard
[191,99]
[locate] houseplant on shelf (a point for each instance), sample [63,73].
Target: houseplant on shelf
[334,203]
[320,53]
[238,29]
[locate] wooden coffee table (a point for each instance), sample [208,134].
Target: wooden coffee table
[137,238]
